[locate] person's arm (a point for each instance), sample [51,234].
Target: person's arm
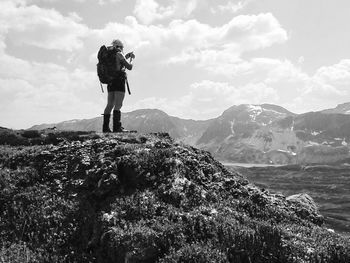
[124,62]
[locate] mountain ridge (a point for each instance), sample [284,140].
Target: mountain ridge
[338,108]
[265,133]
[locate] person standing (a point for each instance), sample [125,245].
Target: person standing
[116,89]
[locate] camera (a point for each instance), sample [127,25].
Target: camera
[130,55]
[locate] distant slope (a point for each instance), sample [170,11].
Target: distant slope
[150,120]
[265,134]
[94,124]
[143,121]
[241,121]
[343,108]
[240,134]
[322,138]
[319,126]
[190,130]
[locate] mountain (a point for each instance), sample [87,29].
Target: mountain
[321,138]
[245,133]
[242,133]
[114,198]
[94,124]
[341,108]
[143,121]
[241,122]
[153,120]
[260,134]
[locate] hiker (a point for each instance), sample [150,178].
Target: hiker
[116,89]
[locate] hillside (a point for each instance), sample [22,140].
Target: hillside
[87,197]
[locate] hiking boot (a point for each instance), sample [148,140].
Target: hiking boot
[118,128]
[117,125]
[105,127]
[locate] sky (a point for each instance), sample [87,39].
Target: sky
[194,58]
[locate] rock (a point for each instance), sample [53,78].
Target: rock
[306,207]
[304,200]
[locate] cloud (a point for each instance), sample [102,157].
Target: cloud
[221,46]
[338,74]
[44,28]
[230,6]
[288,77]
[329,83]
[221,95]
[294,88]
[205,99]
[209,47]
[168,42]
[261,80]
[212,48]
[104,2]
[34,92]
[301,60]
[27,2]
[208,99]
[148,11]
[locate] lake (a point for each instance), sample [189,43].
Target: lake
[251,164]
[328,185]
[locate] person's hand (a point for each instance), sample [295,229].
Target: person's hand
[130,55]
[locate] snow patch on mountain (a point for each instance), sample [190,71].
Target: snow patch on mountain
[314,143]
[232,123]
[254,110]
[315,133]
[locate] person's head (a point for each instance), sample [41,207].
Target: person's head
[117,44]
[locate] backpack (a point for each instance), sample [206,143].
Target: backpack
[106,66]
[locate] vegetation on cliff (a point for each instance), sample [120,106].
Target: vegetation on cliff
[85,197]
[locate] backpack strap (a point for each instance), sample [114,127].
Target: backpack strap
[101,87]
[127,85]
[127,82]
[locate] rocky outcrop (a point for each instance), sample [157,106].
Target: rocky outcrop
[305,206]
[146,198]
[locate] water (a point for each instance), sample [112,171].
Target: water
[250,164]
[328,185]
